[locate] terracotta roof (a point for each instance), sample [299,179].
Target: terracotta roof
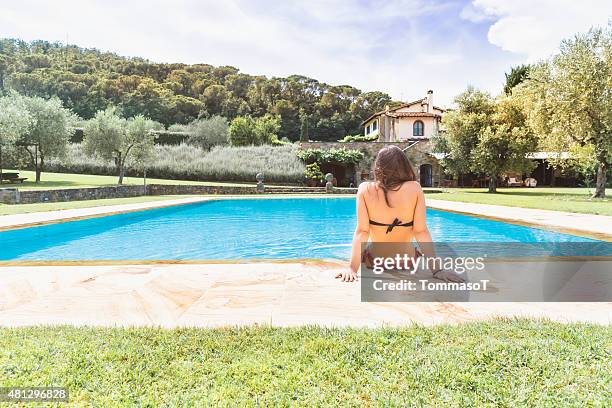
[414,114]
[404,105]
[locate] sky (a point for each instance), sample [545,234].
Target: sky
[402,47]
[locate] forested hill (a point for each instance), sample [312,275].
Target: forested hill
[88,80]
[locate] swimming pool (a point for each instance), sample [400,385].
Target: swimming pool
[237,229]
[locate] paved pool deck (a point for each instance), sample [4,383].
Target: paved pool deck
[213,295]
[596,226]
[273,293]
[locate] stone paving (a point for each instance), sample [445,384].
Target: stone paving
[219,294]
[210,295]
[599,226]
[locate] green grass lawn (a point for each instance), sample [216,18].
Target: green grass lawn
[6,209]
[546,198]
[497,363]
[549,198]
[51,181]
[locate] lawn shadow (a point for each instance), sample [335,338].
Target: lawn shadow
[48,184]
[537,193]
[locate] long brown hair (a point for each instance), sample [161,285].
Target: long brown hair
[391,169]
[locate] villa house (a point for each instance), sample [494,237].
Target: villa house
[414,123]
[418,120]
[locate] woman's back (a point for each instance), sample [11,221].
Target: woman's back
[401,205]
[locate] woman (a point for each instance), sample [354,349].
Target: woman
[391,210]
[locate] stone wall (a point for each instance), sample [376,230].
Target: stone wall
[419,154]
[78,194]
[14,196]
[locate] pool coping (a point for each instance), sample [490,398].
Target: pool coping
[579,224]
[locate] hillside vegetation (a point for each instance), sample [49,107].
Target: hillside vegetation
[87,80]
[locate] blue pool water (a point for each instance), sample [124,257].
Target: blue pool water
[238,229]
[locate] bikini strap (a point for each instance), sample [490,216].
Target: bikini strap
[396,223]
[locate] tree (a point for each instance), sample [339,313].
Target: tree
[49,132]
[241,131]
[208,133]
[304,134]
[111,137]
[569,101]
[517,75]
[150,99]
[246,131]
[463,126]
[215,98]
[486,136]
[15,121]
[502,148]
[266,129]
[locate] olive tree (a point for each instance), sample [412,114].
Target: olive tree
[208,132]
[485,136]
[111,137]
[569,100]
[50,129]
[15,121]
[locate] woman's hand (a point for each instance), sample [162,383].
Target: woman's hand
[347,275]
[448,276]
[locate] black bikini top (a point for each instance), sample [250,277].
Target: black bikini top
[395,223]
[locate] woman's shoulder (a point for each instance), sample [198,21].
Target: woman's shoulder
[412,185]
[366,185]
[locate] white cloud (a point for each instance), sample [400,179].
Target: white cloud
[403,47]
[474,14]
[536,28]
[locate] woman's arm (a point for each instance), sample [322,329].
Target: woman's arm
[423,237]
[362,232]
[419,228]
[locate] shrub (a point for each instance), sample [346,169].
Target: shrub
[186,162]
[241,131]
[358,138]
[207,133]
[177,127]
[167,137]
[266,129]
[343,156]
[313,172]
[246,131]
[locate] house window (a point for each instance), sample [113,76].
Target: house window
[368,130]
[374,125]
[417,128]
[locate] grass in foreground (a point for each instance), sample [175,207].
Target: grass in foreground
[50,181]
[497,363]
[6,209]
[545,198]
